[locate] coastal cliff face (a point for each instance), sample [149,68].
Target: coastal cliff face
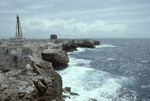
[71,45]
[15,54]
[57,57]
[24,75]
[27,68]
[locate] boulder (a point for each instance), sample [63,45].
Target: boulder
[57,57]
[37,81]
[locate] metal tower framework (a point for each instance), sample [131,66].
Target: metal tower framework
[19,34]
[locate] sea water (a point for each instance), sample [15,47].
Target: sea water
[117,70]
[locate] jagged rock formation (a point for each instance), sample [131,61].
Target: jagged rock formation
[26,68]
[24,75]
[71,45]
[36,81]
[13,58]
[15,54]
[85,43]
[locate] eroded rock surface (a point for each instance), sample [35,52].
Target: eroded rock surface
[15,54]
[26,68]
[37,81]
[71,45]
[85,43]
[24,75]
[57,57]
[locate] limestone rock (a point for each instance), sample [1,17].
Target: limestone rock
[24,76]
[35,82]
[58,58]
[12,58]
[85,43]
[69,46]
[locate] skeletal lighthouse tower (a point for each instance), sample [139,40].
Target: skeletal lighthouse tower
[18,29]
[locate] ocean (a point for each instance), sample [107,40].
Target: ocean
[116,70]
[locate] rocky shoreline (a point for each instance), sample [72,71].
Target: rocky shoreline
[27,67]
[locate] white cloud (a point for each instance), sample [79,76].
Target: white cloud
[77,18]
[71,27]
[98,25]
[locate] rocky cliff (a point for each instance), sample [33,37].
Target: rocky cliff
[27,68]
[24,75]
[71,45]
[37,81]
[57,57]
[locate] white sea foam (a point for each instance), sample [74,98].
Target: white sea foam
[75,62]
[105,45]
[89,82]
[81,49]
[77,51]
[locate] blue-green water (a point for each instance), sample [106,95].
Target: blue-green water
[117,70]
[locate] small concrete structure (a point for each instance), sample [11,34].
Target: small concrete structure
[53,36]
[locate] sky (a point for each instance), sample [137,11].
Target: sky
[76,18]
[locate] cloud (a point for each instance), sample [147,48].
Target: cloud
[71,27]
[98,25]
[86,18]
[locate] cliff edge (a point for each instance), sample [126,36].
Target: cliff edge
[27,68]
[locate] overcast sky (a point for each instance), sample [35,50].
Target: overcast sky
[76,18]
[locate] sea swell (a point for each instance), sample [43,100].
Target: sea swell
[89,82]
[117,70]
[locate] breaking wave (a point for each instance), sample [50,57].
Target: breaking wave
[92,83]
